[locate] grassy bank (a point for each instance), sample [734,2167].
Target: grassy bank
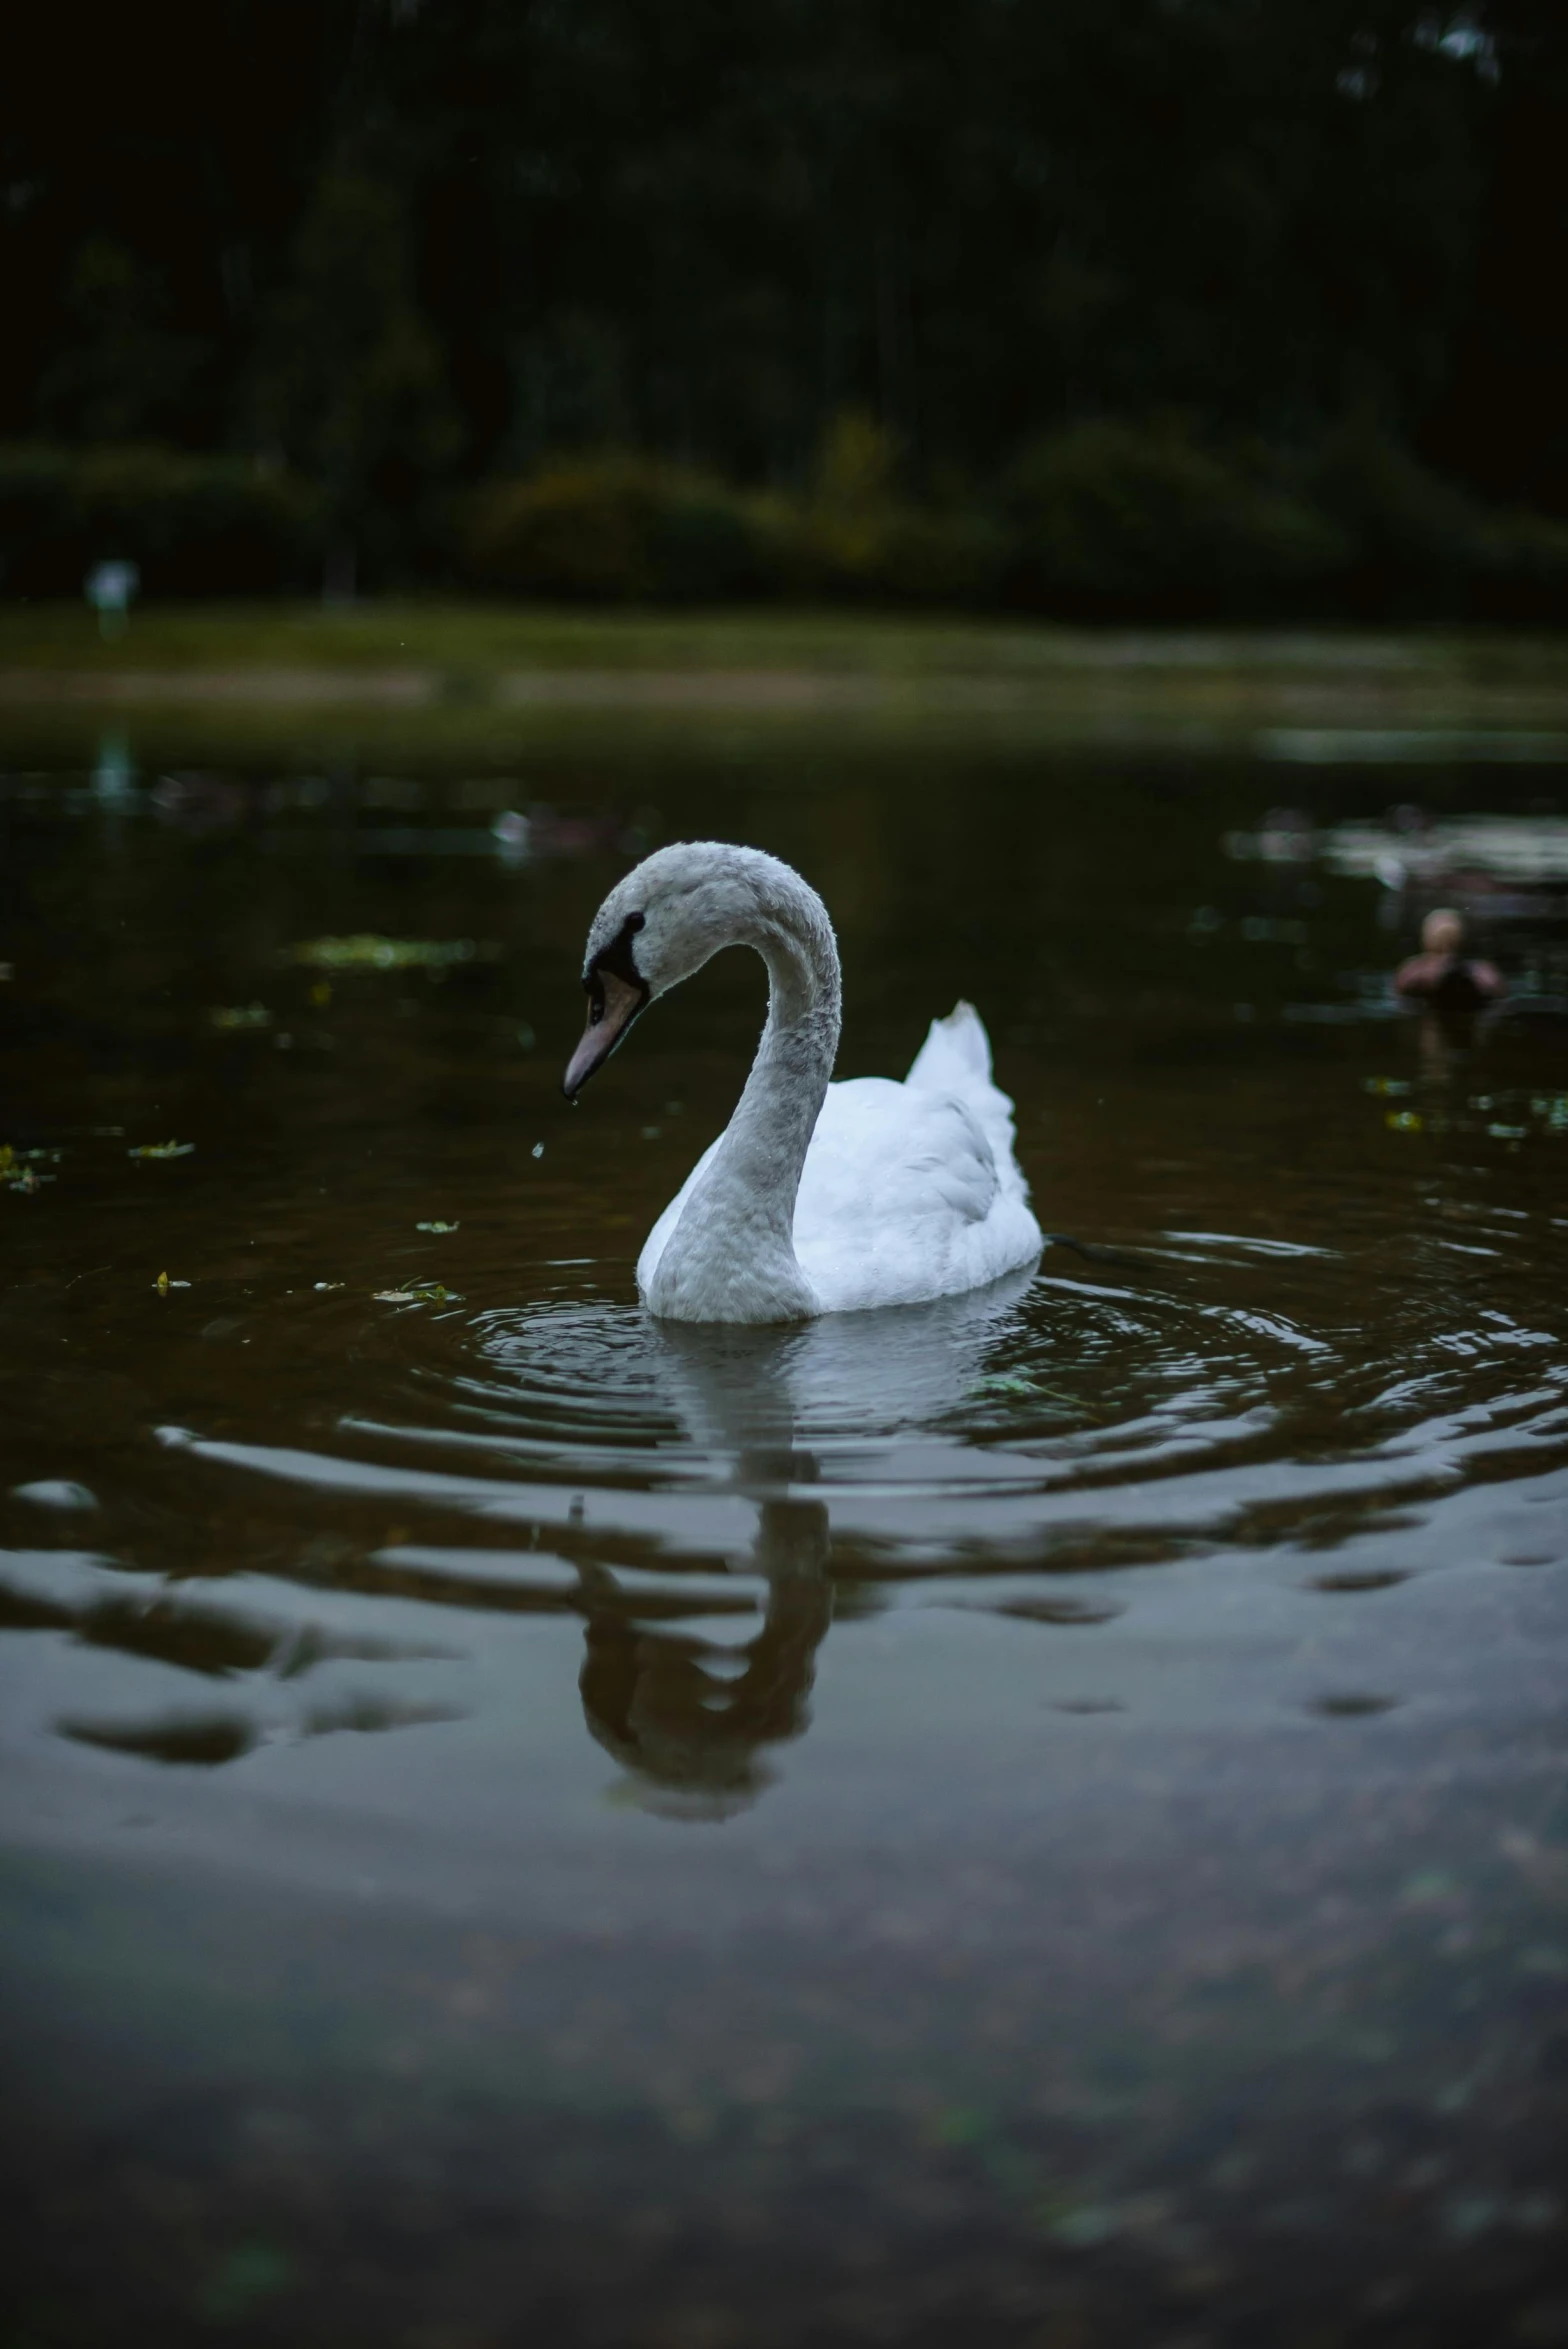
[490,672]
[480,637]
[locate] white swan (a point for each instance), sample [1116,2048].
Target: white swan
[816,1198]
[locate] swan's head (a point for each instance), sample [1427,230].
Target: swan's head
[669,916]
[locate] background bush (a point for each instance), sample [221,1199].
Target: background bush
[1104,521]
[195,525]
[1418,547]
[617,529]
[1113,519]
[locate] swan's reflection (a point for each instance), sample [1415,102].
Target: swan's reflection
[691,1718]
[671,1707]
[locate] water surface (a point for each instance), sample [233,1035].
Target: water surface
[1038,1818]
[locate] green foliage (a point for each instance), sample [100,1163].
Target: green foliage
[410,245]
[617,529]
[119,370]
[858,537]
[620,528]
[195,525]
[1419,547]
[349,381]
[1115,518]
[1103,520]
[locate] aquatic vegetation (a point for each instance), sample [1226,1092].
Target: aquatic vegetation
[1405,1121]
[366,951]
[19,1168]
[161,1150]
[417,1293]
[232,1018]
[436,1226]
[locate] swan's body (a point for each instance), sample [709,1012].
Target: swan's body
[909,1191]
[816,1198]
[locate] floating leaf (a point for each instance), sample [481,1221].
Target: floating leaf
[1386,1085]
[18,1170]
[161,1150]
[418,1293]
[1508,1133]
[1018,1383]
[366,951]
[230,1017]
[163,1284]
[331,1284]
[243,2279]
[1404,1121]
[436,1226]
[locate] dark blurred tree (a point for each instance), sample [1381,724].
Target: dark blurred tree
[359,227]
[117,371]
[1502,420]
[348,385]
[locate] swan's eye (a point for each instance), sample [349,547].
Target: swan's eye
[596,1007]
[636,921]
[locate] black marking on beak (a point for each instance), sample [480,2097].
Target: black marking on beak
[617,992]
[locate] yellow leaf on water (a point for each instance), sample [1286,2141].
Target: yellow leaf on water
[366,951]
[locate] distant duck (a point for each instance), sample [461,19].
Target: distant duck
[817,1198]
[1440,976]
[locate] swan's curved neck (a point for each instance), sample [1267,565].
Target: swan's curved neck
[732,1254]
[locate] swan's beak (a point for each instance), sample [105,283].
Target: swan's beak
[612,1008]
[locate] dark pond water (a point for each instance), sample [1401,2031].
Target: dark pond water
[1039,1819]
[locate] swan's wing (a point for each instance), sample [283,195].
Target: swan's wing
[882,1150]
[901,1199]
[908,1191]
[956,1059]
